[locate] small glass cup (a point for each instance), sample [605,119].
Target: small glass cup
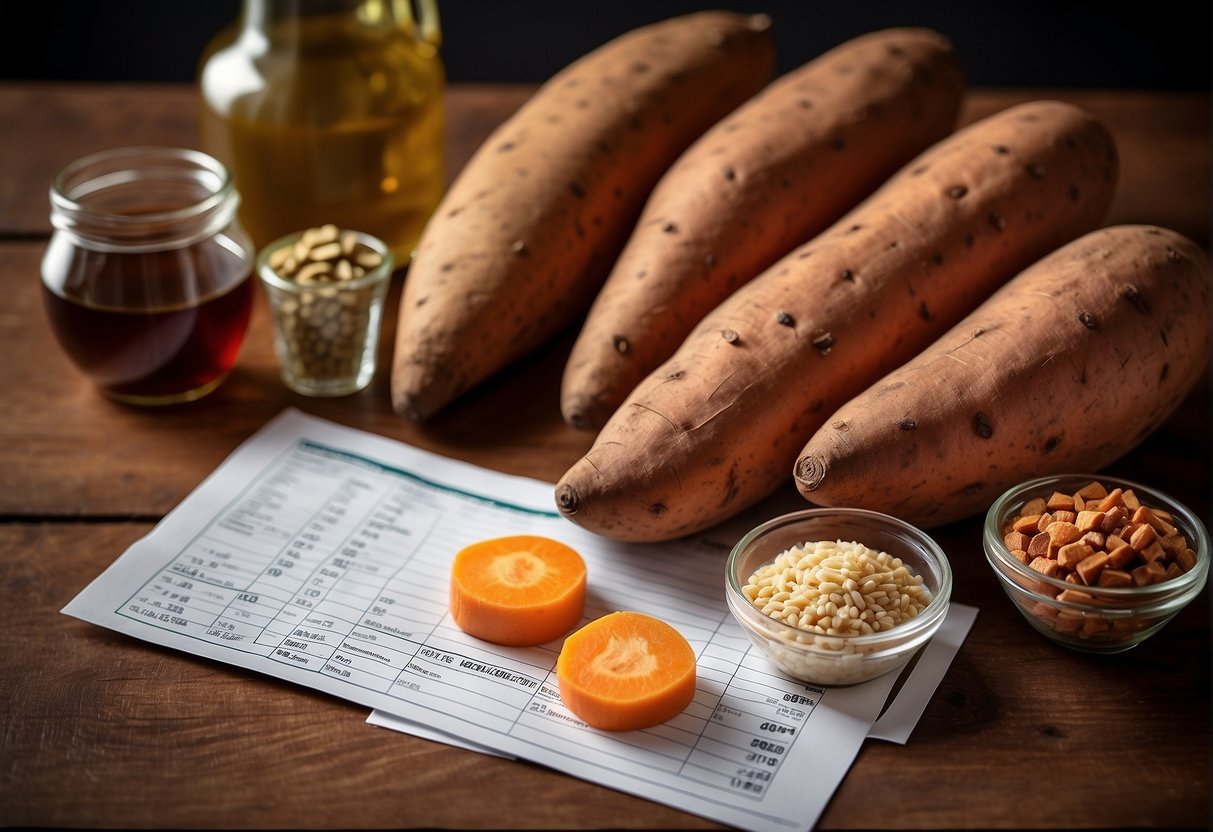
[147,278]
[326,327]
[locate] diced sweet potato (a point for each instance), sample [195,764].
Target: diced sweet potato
[1091,566]
[1072,554]
[1058,501]
[1062,532]
[1089,521]
[1115,578]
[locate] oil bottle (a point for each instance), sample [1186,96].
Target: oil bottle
[329,111]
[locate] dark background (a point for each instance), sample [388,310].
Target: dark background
[1161,45]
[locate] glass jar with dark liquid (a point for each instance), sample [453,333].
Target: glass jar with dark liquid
[147,277]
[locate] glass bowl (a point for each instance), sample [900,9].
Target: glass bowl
[1114,618]
[838,659]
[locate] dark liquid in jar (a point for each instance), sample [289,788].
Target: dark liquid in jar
[153,327]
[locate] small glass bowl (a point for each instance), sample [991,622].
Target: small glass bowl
[842,659]
[326,333]
[1117,618]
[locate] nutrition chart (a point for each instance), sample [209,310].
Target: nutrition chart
[321,555]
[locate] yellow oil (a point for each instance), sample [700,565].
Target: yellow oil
[328,120]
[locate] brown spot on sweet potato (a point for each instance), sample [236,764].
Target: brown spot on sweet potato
[670,228]
[982,426]
[784,319]
[823,343]
[730,174]
[1088,320]
[657,509]
[847,275]
[957,191]
[731,488]
[621,344]
[1051,444]
[906,424]
[1001,149]
[996,221]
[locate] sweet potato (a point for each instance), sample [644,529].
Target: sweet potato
[768,177]
[626,671]
[1065,368]
[719,425]
[527,232]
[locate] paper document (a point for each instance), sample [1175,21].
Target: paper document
[321,555]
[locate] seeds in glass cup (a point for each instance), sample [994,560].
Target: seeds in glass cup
[324,325]
[325,255]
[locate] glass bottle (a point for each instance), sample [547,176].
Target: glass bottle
[329,111]
[146,280]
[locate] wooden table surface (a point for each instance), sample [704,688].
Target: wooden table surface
[101,730]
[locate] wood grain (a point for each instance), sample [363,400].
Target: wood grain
[102,730]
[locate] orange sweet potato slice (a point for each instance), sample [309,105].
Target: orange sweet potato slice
[626,671]
[519,591]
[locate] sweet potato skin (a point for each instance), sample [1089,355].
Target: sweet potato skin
[771,175]
[1066,368]
[524,237]
[720,425]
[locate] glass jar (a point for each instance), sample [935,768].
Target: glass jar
[329,111]
[147,278]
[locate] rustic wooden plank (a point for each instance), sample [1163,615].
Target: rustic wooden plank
[47,125]
[1163,139]
[103,730]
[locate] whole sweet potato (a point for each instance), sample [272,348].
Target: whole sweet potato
[1065,368]
[772,174]
[720,424]
[527,232]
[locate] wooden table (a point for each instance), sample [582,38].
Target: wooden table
[102,730]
